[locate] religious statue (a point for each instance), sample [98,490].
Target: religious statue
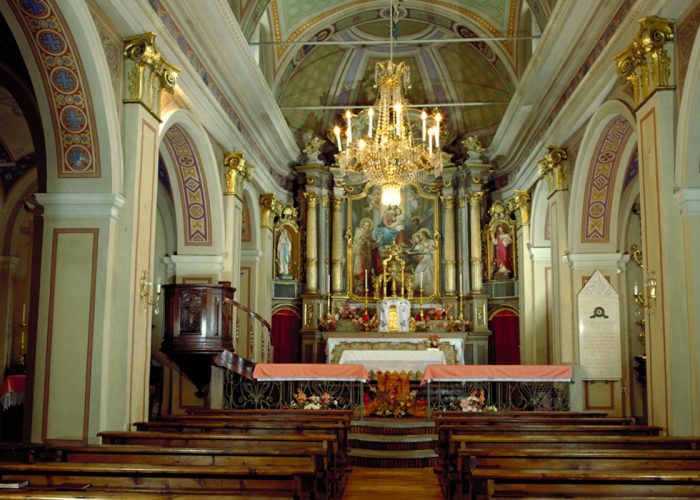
[502,241]
[284,253]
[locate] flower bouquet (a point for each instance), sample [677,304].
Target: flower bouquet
[303,402]
[476,402]
[327,323]
[432,341]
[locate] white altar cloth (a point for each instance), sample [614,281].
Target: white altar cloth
[335,340]
[392,360]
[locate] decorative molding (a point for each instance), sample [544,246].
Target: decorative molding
[80,205]
[271,208]
[193,186]
[148,73]
[606,260]
[519,204]
[646,63]
[541,253]
[66,86]
[688,200]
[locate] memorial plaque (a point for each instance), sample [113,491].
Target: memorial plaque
[599,330]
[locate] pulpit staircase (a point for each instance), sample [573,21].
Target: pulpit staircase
[393,443]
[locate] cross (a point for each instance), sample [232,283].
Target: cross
[51,42]
[73,119]
[76,157]
[36,8]
[64,79]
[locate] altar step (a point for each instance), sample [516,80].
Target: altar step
[393,443]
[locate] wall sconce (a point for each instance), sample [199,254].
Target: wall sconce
[647,296]
[145,288]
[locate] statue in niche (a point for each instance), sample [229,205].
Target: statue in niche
[284,253]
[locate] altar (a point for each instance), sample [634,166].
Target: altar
[451,344]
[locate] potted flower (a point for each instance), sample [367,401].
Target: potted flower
[432,341]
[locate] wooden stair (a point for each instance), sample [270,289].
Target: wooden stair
[393,443]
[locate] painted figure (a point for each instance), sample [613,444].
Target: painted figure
[365,254]
[284,253]
[424,250]
[502,241]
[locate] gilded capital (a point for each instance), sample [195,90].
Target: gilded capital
[475,199]
[448,201]
[271,207]
[553,168]
[237,171]
[148,73]
[646,63]
[520,205]
[311,199]
[337,203]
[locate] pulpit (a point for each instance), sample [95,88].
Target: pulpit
[198,325]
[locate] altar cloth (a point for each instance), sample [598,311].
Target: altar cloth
[309,371]
[391,360]
[497,373]
[12,392]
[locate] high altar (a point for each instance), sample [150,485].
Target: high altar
[393,338]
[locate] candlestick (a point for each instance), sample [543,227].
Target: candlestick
[365,279]
[24,312]
[420,301]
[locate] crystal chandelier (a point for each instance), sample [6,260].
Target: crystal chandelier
[389,156]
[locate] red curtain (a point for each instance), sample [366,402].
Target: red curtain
[505,326]
[285,337]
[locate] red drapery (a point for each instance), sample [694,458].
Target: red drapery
[505,326]
[285,337]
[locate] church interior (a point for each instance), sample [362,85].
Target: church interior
[444,215]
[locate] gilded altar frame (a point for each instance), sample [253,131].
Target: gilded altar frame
[507,227]
[420,211]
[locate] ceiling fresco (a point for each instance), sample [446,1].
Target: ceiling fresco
[473,80]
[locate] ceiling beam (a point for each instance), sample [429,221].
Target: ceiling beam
[425,105]
[401,42]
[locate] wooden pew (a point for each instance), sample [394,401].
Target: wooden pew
[533,458]
[519,414]
[553,483]
[240,444]
[173,479]
[284,411]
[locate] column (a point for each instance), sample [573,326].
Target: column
[323,283]
[520,205]
[449,241]
[337,242]
[236,172]
[647,65]
[475,203]
[553,168]
[8,307]
[270,209]
[463,239]
[147,75]
[311,245]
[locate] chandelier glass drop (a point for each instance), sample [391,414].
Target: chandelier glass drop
[389,156]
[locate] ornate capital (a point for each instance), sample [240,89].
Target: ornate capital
[337,203]
[520,205]
[287,215]
[311,199]
[475,199]
[646,63]
[448,201]
[553,167]
[325,201]
[237,172]
[271,207]
[147,72]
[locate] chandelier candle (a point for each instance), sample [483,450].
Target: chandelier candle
[388,156]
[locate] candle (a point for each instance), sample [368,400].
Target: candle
[421,280]
[438,118]
[423,118]
[336,130]
[365,279]
[636,288]
[460,282]
[24,312]
[158,286]
[370,112]
[430,141]
[348,117]
[328,283]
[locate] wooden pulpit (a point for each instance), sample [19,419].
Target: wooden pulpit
[198,325]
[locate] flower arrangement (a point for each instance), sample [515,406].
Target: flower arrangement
[366,322]
[327,323]
[433,340]
[314,402]
[438,312]
[348,312]
[475,402]
[390,405]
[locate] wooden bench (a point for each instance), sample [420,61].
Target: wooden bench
[174,479]
[251,444]
[554,483]
[532,458]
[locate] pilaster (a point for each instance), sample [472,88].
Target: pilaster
[520,206]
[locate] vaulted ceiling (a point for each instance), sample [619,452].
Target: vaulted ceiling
[465,56]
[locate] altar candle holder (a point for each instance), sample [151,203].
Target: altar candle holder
[366,292]
[461,309]
[420,303]
[22,333]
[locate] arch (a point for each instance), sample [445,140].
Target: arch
[687,145]
[609,141]
[70,77]
[197,192]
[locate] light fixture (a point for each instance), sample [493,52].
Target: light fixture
[145,289]
[388,155]
[646,297]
